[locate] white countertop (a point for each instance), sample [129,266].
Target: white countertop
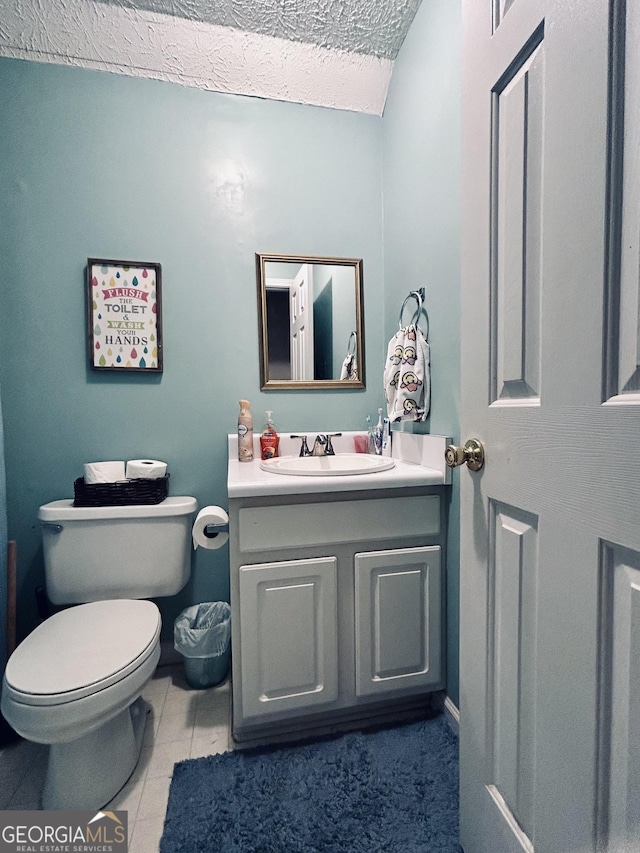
[248,479]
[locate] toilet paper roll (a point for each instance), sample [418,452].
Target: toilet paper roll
[103,472]
[145,469]
[204,533]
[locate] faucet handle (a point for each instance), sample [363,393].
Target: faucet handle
[329,451]
[304,447]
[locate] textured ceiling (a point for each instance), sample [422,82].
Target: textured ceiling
[331,53]
[371,27]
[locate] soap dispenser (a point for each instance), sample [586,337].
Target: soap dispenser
[269,439]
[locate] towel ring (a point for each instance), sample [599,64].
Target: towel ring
[352,345]
[418,295]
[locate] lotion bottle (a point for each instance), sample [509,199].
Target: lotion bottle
[245,432]
[269,439]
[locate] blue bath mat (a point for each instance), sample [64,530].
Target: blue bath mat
[393,790]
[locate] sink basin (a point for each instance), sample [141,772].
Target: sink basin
[327,466]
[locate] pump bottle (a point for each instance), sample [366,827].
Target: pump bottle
[269,439]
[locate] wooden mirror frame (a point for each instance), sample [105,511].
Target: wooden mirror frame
[268,383]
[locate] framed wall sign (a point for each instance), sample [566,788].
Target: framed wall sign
[124,317]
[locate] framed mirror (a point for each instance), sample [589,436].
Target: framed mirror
[311,322]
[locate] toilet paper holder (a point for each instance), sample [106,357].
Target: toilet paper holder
[212,530]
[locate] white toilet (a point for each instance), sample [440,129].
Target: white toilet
[75,681]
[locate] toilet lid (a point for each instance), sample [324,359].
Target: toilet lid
[83,649]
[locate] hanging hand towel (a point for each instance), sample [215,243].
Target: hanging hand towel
[349,368]
[407,379]
[350,364]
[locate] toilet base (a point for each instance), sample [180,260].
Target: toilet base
[88,772]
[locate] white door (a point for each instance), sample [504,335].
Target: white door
[550,552]
[301,314]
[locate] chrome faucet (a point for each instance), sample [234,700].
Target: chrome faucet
[329,449]
[304,447]
[320,446]
[323,446]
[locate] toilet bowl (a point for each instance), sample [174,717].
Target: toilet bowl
[75,683]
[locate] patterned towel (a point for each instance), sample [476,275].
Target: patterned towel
[407,378]
[349,368]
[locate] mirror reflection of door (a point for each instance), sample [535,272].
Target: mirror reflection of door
[279,323]
[290,321]
[301,324]
[300,329]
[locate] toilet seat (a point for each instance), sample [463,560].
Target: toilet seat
[82,651]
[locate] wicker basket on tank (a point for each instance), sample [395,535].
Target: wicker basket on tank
[122,493]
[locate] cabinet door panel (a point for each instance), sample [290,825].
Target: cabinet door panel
[288,624]
[398,620]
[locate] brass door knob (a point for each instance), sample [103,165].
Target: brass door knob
[472,453]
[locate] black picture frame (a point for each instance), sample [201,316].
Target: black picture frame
[124,315]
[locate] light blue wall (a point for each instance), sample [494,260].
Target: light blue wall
[421,145]
[100,165]
[94,164]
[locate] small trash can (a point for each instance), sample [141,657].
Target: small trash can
[202,635]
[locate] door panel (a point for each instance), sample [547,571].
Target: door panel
[618,810]
[512,626]
[623,361]
[550,527]
[517,130]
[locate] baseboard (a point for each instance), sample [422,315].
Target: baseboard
[348,719]
[453,715]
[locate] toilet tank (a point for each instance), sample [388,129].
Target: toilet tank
[96,553]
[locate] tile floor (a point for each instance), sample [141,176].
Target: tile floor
[182,723]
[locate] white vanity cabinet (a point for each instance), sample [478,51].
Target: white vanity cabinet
[337,607]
